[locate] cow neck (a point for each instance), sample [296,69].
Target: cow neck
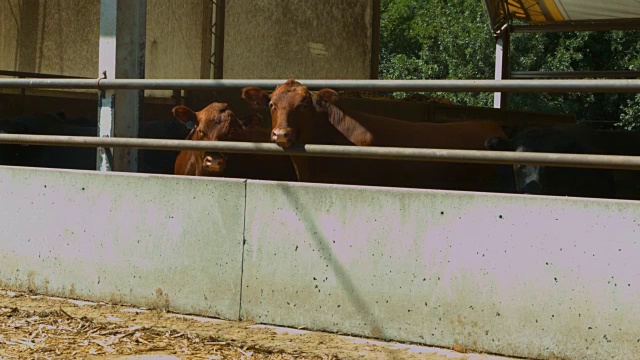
[193,166]
[303,165]
[197,155]
[353,130]
[322,132]
[364,129]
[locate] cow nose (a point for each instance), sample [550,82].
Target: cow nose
[214,163]
[532,187]
[284,137]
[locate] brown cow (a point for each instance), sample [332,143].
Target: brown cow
[214,122]
[297,116]
[217,123]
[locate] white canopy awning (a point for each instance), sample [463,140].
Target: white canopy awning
[561,11]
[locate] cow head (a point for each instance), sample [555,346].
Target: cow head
[529,179]
[292,111]
[216,122]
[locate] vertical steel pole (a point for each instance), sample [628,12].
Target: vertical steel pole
[503,71]
[122,56]
[106,69]
[218,45]
[207,39]
[130,64]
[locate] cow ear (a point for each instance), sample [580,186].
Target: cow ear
[185,115]
[498,143]
[256,97]
[250,120]
[324,97]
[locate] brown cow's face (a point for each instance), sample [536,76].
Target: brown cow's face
[215,122]
[207,163]
[291,109]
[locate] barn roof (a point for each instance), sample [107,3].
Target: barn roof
[566,14]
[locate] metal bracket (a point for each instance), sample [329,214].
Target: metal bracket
[102,91]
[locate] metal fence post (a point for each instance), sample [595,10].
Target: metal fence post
[106,69]
[130,64]
[122,56]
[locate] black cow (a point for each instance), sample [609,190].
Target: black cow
[550,180]
[83,158]
[44,156]
[161,161]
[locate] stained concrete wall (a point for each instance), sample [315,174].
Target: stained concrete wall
[537,277]
[263,39]
[54,37]
[62,37]
[302,39]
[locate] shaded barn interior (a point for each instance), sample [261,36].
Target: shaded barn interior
[193,39]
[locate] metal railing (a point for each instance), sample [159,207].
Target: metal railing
[363,152]
[620,74]
[574,85]
[389,153]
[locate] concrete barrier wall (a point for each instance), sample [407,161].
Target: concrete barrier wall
[535,277]
[170,242]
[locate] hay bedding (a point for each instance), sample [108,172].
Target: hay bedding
[55,333]
[36,327]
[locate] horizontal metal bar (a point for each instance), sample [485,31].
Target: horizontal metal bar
[598,85]
[579,25]
[50,83]
[362,152]
[621,74]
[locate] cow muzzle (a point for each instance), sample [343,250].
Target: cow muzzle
[214,163]
[284,137]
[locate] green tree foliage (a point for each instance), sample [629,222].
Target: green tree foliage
[450,39]
[579,51]
[429,40]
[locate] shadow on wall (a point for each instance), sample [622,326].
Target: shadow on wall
[341,274]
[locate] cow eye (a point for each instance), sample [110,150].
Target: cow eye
[271,106]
